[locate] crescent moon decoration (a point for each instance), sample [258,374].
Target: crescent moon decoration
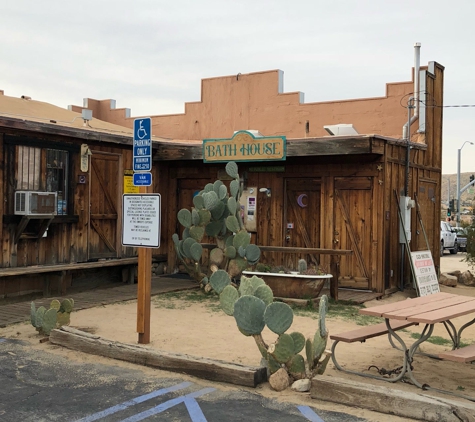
[300,200]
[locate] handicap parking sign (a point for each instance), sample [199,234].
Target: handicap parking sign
[142,147]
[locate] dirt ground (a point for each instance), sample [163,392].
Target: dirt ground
[198,327]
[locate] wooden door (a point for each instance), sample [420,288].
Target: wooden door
[352,230]
[105,206]
[302,218]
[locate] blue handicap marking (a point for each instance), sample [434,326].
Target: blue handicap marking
[189,401]
[137,400]
[309,414]
[2,339]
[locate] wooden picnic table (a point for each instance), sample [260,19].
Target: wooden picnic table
[429,310]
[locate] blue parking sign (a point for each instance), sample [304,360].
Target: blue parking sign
[142,155]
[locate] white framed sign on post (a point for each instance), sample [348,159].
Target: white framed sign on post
[141,220]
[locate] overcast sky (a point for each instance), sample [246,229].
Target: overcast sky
[150,55]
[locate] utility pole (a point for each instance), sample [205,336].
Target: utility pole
[459,153]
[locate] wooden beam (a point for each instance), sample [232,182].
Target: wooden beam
[406,404]
[285,249]
[295,148]
[37,269]
[210,369]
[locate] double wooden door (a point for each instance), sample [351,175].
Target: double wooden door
[351,225]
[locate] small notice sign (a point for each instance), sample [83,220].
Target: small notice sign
[141,220]
[424,271]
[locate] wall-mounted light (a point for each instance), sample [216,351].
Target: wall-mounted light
[267,191]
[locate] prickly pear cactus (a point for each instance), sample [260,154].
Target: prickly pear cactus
[253,309]
[216,213]
[56,316]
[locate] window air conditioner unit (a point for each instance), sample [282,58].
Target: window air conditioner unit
[29,202]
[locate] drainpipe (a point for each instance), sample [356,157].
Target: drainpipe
[406,129]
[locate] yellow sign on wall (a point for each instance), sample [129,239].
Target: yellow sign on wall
[129,182]
[244,146]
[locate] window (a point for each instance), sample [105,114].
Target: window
[43,169]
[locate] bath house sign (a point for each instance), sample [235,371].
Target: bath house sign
[244,146]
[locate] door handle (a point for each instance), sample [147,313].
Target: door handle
[287,238]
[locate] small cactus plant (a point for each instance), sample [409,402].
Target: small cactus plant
[56,316]
[217,214]
[253,309]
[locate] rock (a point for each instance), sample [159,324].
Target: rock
[448,280]
[302,385]
[467,278]
[279,380]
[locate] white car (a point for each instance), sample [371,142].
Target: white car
[448,238]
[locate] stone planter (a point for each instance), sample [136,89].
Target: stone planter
[296,286]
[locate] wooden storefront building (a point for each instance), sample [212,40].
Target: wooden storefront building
[62,183]
[332,192]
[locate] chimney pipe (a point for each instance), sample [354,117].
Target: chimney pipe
[406,129]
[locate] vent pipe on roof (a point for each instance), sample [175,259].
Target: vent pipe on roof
[406,129]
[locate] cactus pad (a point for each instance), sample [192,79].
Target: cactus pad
[205,217]
[236,266]
[283,349]
[241,239]
[63,318]
[249,314]
[198,202]
[245,287]
[66,306]
[195,217]
[222,192]
[232,224]
[55,304]
[234,188]
[187,244]
[228,298]
[279,317]
[33,314]
[211,200]
[216,256]
[219,280]
[213,228]
[299,341]
[296,367]
[184,217]
[40,313]
[49,321]
[253,253]
[197,233]
[265,294]
[196,250]
[208,188]
[218,210]
[230,252]
[232,169]
[232,205]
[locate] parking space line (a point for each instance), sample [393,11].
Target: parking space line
[171,403]
[137,400]
[194,410]
[309,414]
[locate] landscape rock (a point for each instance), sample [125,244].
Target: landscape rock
[467,278]
[448,280]
[301,385]
[279,380]
[456,273]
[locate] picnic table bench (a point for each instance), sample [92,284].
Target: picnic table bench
[427,310]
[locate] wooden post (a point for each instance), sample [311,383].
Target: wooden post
[143,290]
